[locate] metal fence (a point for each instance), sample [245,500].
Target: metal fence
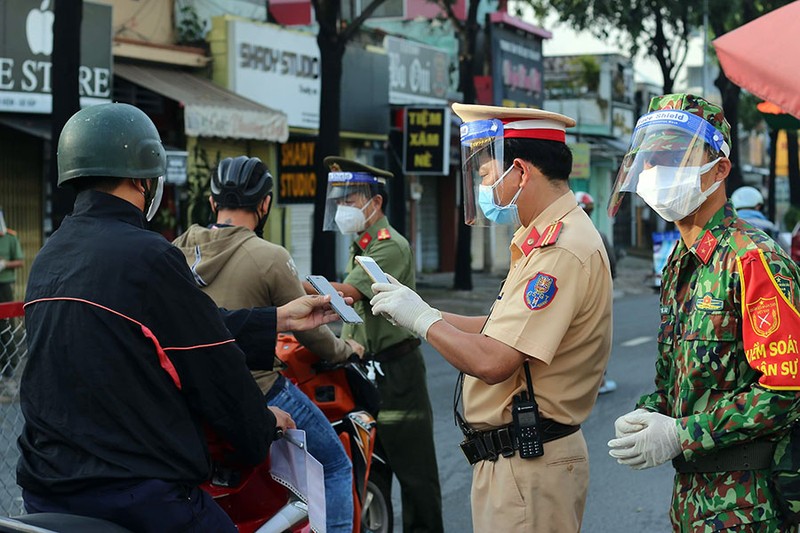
[13,351]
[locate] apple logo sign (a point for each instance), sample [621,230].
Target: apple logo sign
[39,29]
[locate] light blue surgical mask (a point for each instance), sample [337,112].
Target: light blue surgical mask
[499,214]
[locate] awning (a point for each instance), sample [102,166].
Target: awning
[208,109]
[38,127]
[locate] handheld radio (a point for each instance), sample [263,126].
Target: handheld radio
[525,414]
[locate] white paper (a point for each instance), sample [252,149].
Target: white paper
[292,466]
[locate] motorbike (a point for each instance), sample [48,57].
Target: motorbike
[255,501]
[258,503]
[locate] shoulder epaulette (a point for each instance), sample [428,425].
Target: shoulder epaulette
[550,235]
[364,241]
[384,234]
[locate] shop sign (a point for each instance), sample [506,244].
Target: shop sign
[516,68]
[417,73]
[581,160]
[297,179]
[277,68]
[426,140]
[177,162]
[26,47]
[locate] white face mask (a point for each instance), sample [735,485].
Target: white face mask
[350,219]
[674,192]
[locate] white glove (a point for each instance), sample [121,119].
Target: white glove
[622,425]
[655,443]
[403,307]
[2,264]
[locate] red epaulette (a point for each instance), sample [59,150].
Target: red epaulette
[364,241]
[384,234]
[549,235]
[706,247]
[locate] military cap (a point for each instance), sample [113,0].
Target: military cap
[695,105]
[352,173]
[519,122]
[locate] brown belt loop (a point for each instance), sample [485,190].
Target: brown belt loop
[397,350]
[756,455]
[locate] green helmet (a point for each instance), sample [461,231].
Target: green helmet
[110,140]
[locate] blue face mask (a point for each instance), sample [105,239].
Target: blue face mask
[499,214]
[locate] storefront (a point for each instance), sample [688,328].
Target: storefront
[26,104]
[279,68]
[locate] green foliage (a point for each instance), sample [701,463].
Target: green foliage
[792,217]
[749,115]
[191,29]
[198,188]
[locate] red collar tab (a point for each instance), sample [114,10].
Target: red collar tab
[364,241]
[530,241]
[550,235]
[384,234]
[706,247]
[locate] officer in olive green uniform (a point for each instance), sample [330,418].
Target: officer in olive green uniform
[357,199]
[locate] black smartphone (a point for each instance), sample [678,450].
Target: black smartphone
[323,286]
[372,269]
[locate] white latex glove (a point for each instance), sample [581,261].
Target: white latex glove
[623,426]
[656,443]
[403,307]
[2,264]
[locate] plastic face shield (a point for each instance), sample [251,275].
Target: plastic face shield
[668,138]
[482,165]
[351,189]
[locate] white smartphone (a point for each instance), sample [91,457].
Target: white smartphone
[323,286]
[372,269]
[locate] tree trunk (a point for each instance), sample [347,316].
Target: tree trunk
[462,279]
[331,50]
[794,167]
[730,106]
[66,60]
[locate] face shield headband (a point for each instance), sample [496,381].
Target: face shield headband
[666,138]
[341,187]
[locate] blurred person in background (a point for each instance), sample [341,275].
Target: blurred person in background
[11,258]
[749,204]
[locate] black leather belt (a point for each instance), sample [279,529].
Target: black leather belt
[396,350]
[491,444]
[756,455]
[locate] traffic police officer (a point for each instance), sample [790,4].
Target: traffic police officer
[547,338]
[356,202]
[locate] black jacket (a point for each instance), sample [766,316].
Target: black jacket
[101,404]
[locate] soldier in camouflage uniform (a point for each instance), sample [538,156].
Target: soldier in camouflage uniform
[728,293]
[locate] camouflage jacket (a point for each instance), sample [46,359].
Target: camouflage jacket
[703,378]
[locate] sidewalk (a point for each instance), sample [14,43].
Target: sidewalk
[633,277]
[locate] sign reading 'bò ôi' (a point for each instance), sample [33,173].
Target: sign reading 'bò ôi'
[426,140]
[297,181]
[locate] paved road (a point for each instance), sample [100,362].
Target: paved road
[620,500]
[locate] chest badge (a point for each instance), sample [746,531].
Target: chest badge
[708,303]
[540,291]
[765,317]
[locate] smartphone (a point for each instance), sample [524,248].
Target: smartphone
[323,286]
[372,269]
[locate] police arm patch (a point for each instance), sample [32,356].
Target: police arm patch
[540,291]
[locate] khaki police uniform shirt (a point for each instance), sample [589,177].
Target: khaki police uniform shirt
[554,307]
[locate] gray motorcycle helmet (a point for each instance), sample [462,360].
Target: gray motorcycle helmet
[110,140]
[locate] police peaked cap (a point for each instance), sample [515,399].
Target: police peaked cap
[340,164]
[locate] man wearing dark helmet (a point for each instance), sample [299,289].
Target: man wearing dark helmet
[128,360]
[237,268]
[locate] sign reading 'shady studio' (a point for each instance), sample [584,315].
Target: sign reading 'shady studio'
[25,49]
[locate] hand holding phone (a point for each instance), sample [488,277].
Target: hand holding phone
[372,269]
[323,286]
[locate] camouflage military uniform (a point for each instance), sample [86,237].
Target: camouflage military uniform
[704,380]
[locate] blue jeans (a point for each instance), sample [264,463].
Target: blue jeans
[324,445]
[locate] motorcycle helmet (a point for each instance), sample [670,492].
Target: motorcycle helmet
[240,183]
